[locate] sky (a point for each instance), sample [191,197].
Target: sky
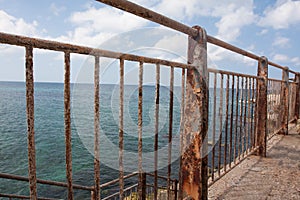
[267,28]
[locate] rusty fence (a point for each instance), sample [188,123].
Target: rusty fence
[142,187]
[233,122]
[292,103]
[274,106]
[223,116]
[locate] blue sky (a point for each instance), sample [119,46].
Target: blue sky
[270,28]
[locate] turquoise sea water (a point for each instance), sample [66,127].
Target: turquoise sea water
[49,133]
[50,138]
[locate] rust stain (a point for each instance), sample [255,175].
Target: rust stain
[297,98]
[261,127]
[194,158]
[284,101]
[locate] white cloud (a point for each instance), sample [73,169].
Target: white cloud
[191,8]
[176,43]
[56,9]
[217,54]
[295,60]
[281,58]
[146,3]
[263,32]
[282,42]
[233,14]
[281,15]
[93,26]
[286,59]
[13,25]
[96,25]
[230,24]
[107,19]
[17,26]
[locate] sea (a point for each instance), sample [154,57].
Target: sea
[50,135]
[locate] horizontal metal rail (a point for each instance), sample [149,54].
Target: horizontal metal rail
[10,196]
[230,73]
[63,47]
[117,180]
[168,22]
[275,80]
[46,182]
[161,177]
[150,15]
[276,65]
[115,195]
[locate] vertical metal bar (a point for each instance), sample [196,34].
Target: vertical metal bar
[284,96]
[245,118]
[180,196]
[269,105]
[292,100]
[241,119]
[252,112]
[214,127]
[170,129]
[226,122]
[272,124]
[96,129]
[279,101]
[30,122]
[157,90]
[297,98]
[236,117]
[121,131]
[194,159]
[255,113]
[276,102]
[261,129]
[68,139]
[231,122]
[140,131]
[291,94]
[143,192]
[248,116]
[221,124]
[175,189]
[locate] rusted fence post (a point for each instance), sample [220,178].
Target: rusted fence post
[262,85]
[96,194]
[142,185]
[297,99]
[68,130]
[284,102]
[194,150]
[175,189]
[30,122]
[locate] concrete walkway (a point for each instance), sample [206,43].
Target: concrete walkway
[274,177]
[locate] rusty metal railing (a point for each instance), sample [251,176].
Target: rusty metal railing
[242,113]
[233,106]
[274,106]
[292,100]
[30,44]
